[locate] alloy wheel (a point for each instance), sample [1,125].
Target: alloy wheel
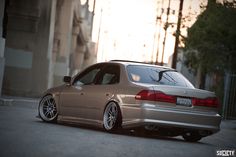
[110,116]
[47,109]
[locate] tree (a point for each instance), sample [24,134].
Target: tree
[211,42]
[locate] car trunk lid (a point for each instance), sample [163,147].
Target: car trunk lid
[183,91]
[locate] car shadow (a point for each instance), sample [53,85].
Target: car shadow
[147,135]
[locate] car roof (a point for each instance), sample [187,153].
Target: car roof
[128,62]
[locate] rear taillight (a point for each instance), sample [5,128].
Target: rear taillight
[208,102]
[146,95]
[155,96]
[165,98]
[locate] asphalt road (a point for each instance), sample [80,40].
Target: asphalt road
[24,135]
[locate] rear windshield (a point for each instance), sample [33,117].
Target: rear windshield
[156,76]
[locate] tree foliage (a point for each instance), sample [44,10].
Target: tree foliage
[211,41]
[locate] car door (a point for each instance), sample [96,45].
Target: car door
[72,99]
[95,97]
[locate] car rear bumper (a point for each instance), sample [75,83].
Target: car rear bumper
[148,115]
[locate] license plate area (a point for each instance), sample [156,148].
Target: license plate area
[184,101]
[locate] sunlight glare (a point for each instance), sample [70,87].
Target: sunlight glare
[127,29]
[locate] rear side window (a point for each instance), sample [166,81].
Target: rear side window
[156,76]
[110,75]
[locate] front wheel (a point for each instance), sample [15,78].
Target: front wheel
[111,117]
[47,109]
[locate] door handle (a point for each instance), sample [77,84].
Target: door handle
[82,93]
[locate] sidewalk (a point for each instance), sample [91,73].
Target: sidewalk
[228,124]
[19,101]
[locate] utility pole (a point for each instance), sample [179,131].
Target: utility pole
[159,31]
[177,34]
[165,28]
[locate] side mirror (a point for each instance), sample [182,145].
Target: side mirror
[67,79]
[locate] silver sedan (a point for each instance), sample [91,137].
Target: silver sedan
[130,95]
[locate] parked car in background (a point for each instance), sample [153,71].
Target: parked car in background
[129,95]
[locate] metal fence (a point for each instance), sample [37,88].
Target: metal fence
[229,103]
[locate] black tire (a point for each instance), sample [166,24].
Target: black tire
[47,109]
[192,136]
[112,117]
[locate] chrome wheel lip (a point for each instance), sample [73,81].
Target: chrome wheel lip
[47,108]
[110,116]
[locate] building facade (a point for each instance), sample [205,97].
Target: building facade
[44,40]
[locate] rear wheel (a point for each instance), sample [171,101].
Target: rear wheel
[111,117]
[47,109]
[192,136]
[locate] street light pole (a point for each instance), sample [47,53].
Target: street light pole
[177,34]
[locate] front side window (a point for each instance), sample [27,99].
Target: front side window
[157,76]
[88,76]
